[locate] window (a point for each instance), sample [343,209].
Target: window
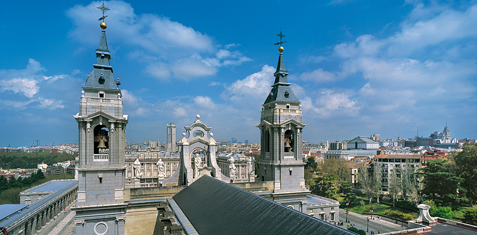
[100,180]
[101,95]
[332,216]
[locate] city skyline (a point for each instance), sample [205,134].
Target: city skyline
[358,67]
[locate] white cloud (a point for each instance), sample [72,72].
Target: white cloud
[23,85]
[191,68]
[256,85]
[318,75]
[168,48]
[204,102]
[51,103]
[129,98]
[180,112]
[331,103]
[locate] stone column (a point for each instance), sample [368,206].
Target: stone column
[43,218]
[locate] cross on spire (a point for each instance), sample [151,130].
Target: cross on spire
[103,8]
[281,37]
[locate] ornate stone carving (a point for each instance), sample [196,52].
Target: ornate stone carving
[197,161]
[112,127]
[232,168]
[161,171]
[137,169]
[88,127]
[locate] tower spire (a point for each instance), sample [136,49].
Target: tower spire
[102,75]
[281,90]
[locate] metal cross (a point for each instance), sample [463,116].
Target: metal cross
[281,37]
[103,8]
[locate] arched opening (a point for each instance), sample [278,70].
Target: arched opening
[289,141]
[101,139]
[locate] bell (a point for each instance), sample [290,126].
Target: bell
[287,144]
[102,144]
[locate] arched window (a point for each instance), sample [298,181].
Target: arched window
[101,139]
[289,141]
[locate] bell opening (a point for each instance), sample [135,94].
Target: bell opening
[288,141]
[101,139]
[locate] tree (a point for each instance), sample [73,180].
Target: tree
[326,186]
[365,182]
[311,164]
[394,184]
[338,167]
[40,174]
[470,216]
[466,164]
[376,181]
[3,183]
[347,190]
[409,183]
[444,186]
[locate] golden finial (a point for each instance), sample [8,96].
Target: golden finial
[103,25]
[281,49]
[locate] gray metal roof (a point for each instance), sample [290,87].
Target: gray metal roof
[102,75]
[50,186]
[8,209]
[216,207]
[281,90]
[6,222]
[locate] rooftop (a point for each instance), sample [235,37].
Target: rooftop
[216,207]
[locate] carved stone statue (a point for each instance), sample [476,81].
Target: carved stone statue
[250,167]
[197,161]
[137,169]
[232,167]
[160,169]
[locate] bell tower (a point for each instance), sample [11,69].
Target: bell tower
[100,207]
[281,134]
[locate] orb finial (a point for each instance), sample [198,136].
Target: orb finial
[281,49]
[198,116]
[103,25]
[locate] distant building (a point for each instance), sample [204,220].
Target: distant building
[362,143]
[398,162]
[171,138]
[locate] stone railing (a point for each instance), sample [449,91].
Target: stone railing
[101,157]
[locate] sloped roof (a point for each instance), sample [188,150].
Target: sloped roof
[215,207]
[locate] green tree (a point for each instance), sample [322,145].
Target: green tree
[326,186]
[365,182]
[311,164]
[3,183]
[347,190]
[376,181]
[395,184]
[40,174]
[443,185]
[409,183]
[466,164]
[470,216]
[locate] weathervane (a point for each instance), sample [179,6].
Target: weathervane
[281,37]
[103,8]
[280,49]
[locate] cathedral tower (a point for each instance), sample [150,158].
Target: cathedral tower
[100,206]
[281,135]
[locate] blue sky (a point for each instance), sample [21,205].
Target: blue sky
[358,67]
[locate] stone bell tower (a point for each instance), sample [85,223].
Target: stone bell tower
[281,135]
[100,207]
